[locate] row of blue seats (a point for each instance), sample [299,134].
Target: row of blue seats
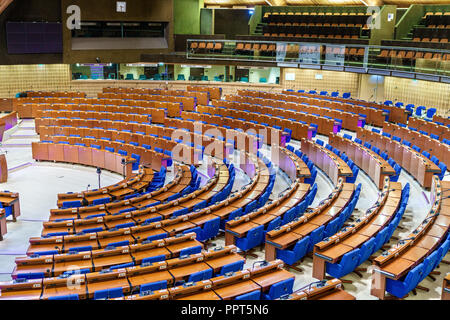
[334,94]
[211,227]
[397,168]
[257,235]
[185,252]
[400,288]
[276,290]
[430,112]
[156,183]
[312,168]
[344,157]
[287,130]
[434,159]
[259,201]
[306,244]
[351,260]
[432,135]
[147,288]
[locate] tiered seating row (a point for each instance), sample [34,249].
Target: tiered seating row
[268,281]
[340,254]
[322,290]
[369,161]
[350,116]
[249,227]
[400,269]
[321,119]
[127,279]
[419,166]
[116,192]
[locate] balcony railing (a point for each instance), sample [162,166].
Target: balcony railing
[408,62]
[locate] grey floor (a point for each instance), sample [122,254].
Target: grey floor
[39,183]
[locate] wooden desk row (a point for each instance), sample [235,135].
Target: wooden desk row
[239,227]
[117,191]
[419,166]
[371,163]
[227,287]
[165,228]
[56,94]
[44,116]
[214,93]
[431,127]
[444,120]
[180,152]
[187,103]
[137,211]
[373,116]
[129,279]
[82,155]
[398,115]
[405,255]
[156,109]
[269,135]
[270,115]
[378,217]
[350,121]
[200,93]
[330,208]
[7,122]
[325,290]
[189,98]
[97,260]
[425,143]
[333,166]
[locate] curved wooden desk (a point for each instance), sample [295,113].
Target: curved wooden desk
[419,166]
[425,143]
[129,279]
[116,192]
[402,257]
[288,199]
[349,238]
[82,155]
[431,127]
[333,166]
[370,162]
[97,260]
[225,287]
[312,106]
[289,234]
[111,215]
[272,113]
[329,290]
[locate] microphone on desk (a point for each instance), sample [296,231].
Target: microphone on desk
[402,241]
[88,187]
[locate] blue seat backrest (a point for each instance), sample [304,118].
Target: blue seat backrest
[254,295]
